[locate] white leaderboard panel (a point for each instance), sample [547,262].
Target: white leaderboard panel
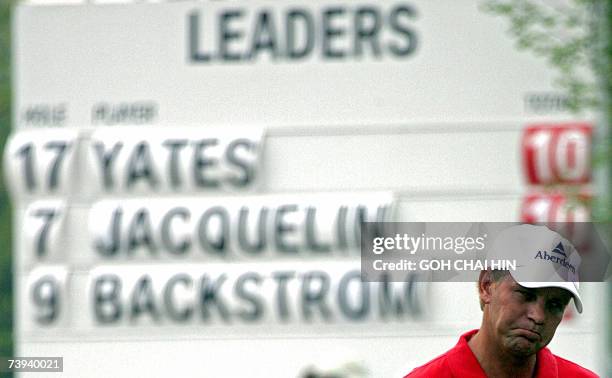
[85,164]
[189,179]
[286,63]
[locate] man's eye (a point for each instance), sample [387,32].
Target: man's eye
[528,296]
[556,306]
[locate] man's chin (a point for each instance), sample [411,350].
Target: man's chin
[521,346]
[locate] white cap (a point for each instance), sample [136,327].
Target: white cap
[543,258]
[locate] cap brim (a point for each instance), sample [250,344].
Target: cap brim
[569,286]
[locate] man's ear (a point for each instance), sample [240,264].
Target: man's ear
[485,283]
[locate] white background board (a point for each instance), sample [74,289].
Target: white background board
[438,130]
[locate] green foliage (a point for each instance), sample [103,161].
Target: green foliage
[564,33]
[6,298]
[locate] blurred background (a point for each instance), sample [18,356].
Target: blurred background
[484,111]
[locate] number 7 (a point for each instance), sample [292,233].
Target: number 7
[47,215]
[61,147]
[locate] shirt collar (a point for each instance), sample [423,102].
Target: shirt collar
[463,362]
[546,365]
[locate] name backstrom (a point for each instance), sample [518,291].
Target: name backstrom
[312,295]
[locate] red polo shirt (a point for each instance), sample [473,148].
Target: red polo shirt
[461,362]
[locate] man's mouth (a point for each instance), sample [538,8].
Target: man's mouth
[529,334]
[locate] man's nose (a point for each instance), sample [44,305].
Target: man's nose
[537,311]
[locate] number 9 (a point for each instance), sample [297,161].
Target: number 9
[45,295]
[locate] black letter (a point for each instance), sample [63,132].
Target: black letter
[177,315]
[143,299]
[367,32]
[220,245]
[140,231]
[173,168]
[259,245]
[194,38]
[264,35]
[184,244]
[311,237]
[255,301]
[343,300]
[107,158]
[341,228]
[377,229]
[111,246]
[407,32]
[406,302]
[312,296]
[329,32]
[294,51]
[282,278]
[246,164]
[140,165]
[208,293]
[281,228]
[200,162]
[226,35]
[107,305]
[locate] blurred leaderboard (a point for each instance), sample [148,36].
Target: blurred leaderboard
[199,170]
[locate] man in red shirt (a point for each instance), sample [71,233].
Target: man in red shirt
[520,315]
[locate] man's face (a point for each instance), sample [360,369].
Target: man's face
[524,320]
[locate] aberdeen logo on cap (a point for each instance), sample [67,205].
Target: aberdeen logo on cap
[543,255]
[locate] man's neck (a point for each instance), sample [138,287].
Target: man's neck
[497,363]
